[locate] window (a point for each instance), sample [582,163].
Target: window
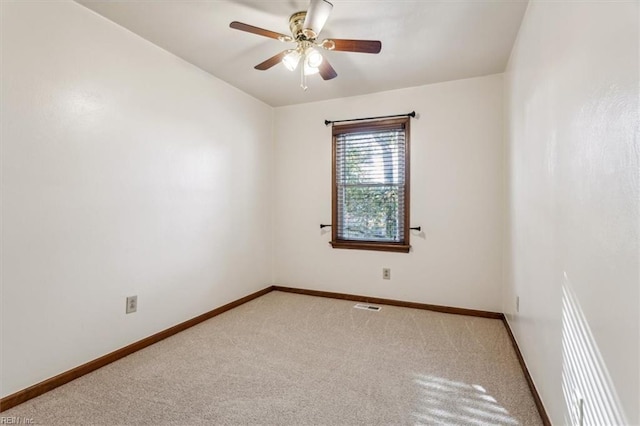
[370,200]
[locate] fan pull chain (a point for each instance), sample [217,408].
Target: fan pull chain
[303,77]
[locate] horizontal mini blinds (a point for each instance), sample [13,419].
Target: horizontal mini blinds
[370,185]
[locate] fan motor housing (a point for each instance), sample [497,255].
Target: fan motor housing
[296,24]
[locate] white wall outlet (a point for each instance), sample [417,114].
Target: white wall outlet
[580,411]
[579,407]
[517,304]
[132,304]
[386,273]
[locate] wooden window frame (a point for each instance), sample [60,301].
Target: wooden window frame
[374,126]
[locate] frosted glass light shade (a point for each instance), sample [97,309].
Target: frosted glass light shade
[313,58]
[291,60]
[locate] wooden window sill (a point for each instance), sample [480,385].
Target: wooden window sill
[369,245]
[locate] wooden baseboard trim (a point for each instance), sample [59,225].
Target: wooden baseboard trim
[62,378]
[401,303]
[536,396]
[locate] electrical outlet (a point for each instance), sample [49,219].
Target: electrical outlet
[132,304]
[386,273]
[579,407]
[580,411]
[517,304]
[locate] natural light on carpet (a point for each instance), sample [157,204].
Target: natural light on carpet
[445,401]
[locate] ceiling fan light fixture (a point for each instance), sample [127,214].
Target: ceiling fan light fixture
[313,58]
[305,27]
[291,59]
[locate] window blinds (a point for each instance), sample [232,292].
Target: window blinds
[370,185]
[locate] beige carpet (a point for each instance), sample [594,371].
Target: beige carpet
[289,359]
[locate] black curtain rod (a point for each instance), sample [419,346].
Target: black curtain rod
[411,114]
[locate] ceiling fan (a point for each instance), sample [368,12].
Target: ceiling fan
[305,27]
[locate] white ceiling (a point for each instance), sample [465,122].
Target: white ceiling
[423,42]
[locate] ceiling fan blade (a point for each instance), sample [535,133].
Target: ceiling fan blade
[361,46]
[259,31]
[326,70]
[317,15]
[274,60]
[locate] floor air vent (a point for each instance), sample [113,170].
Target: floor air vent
[367,307]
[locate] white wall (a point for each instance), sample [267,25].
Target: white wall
[572,114]
[125,171]
[456,196]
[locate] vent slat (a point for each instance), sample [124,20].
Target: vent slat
[367,307]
